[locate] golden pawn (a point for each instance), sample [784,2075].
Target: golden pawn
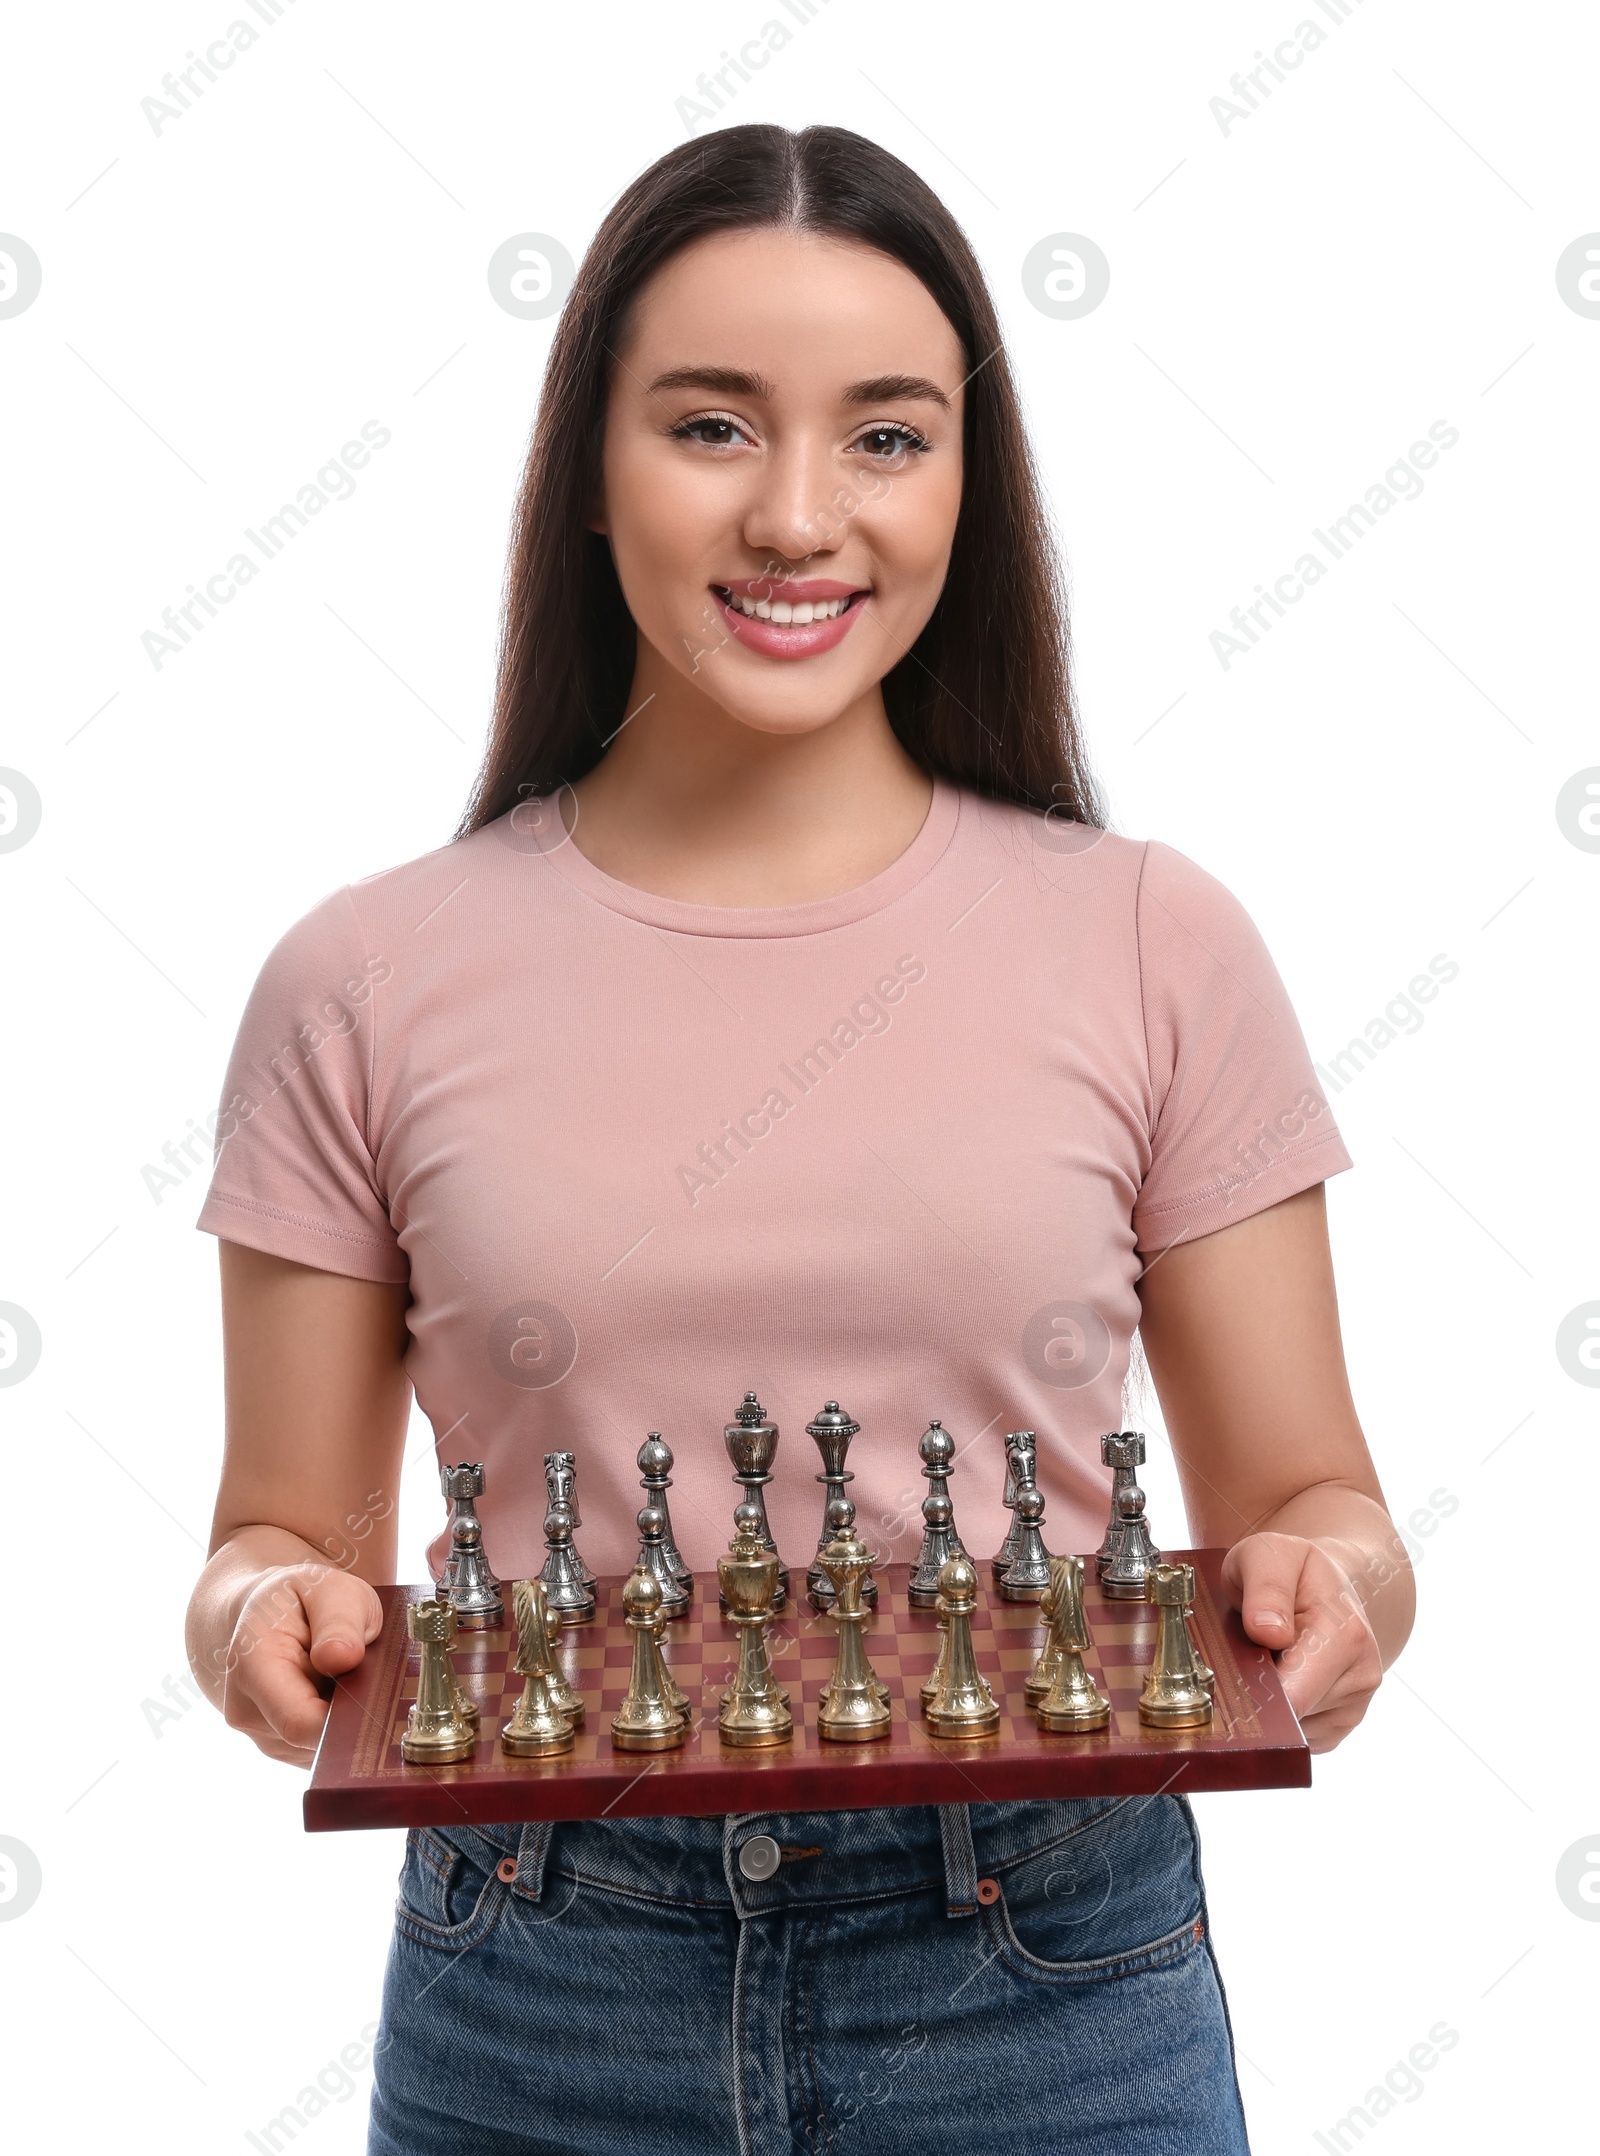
[648,1719]
[436,1731]
[755,1711]
[1074,1701]
[935,1676]
[539,1726]
[1177,1684]
[853,1708]
[963,1706]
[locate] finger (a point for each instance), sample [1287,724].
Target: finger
[1333,1657]
[274,1684]
[344,1616]
[1262,1577]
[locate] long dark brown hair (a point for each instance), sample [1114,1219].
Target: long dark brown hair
[984,696]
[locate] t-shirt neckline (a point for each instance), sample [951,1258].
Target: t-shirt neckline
[810,917]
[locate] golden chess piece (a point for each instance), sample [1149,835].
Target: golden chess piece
[1042,1674]
[435,1730]
[935,1676]
[963,1706]
[1177,1684]
[540,1725]
[755,1709]
[669,1684]
[648,1719]
[1074,1701]
[854,1707]
[565,1694]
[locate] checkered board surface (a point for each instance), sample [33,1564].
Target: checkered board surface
[360,1779]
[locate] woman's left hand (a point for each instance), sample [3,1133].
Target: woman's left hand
[1297,1596]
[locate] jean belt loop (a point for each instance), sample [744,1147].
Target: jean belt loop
[532,1850]
[960,1860]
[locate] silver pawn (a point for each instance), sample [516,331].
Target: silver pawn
[468,1585]
[653,1559]
[655,1472]
[1028,1574]
[1124,1578]
[940,1543]
[569,1599]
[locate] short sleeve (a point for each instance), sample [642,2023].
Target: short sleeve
[1238,1119]
[293,1170]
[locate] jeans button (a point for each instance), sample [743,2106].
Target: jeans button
[759,1857]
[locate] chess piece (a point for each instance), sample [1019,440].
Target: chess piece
[1177,1684]
[655,1474]
[832,1430]
[940,1541]
[963,1706]
[1131,1561]
[648,1719]
[1008,1497]
[1123,1451]
[540,1726]
[467,1584]
[670,1685]
[935,1676]
[435,1733]
[1028,1574]
[755,1711]
[653,1557]
[565,1694]
[569,1600]
[854,1707]
[561,1487]
[752,1443]
[1042,1675]
[1074,1701]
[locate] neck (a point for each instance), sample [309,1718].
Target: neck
[691,803]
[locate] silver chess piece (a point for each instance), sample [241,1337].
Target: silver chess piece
[652,1558]
[1018,1444]
[1135,1556]
[1123,1452]
[752,1442]
[569,1599]
[561,1488]
[655,1475]
[831,1430]
[467,1584]
[940,1543]
[1027,1576]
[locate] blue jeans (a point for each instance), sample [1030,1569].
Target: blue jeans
[984,1979]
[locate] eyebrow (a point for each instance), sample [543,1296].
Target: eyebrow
[739,382]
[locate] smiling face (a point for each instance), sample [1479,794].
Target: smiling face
[781,474]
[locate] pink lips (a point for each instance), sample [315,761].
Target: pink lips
[788,639]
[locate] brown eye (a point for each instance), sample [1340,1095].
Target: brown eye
[883,444]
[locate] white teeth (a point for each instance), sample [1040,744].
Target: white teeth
[783,610]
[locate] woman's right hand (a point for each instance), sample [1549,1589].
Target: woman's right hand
[298,1627]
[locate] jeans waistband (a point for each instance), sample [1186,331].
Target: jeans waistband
[835,1856]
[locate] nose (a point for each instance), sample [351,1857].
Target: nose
[790,513]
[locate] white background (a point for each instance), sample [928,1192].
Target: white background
[1292,303]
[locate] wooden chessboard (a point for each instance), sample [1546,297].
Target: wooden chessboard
[360,1780]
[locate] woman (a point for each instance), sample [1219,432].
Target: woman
[784,1014]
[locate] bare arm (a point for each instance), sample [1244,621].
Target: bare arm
[1241,1331]
[317,1403]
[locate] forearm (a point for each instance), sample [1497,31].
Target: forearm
[1360,1538]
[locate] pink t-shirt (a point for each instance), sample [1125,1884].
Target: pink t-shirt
[907,1148]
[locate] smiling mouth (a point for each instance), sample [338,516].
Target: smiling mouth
[796,612]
